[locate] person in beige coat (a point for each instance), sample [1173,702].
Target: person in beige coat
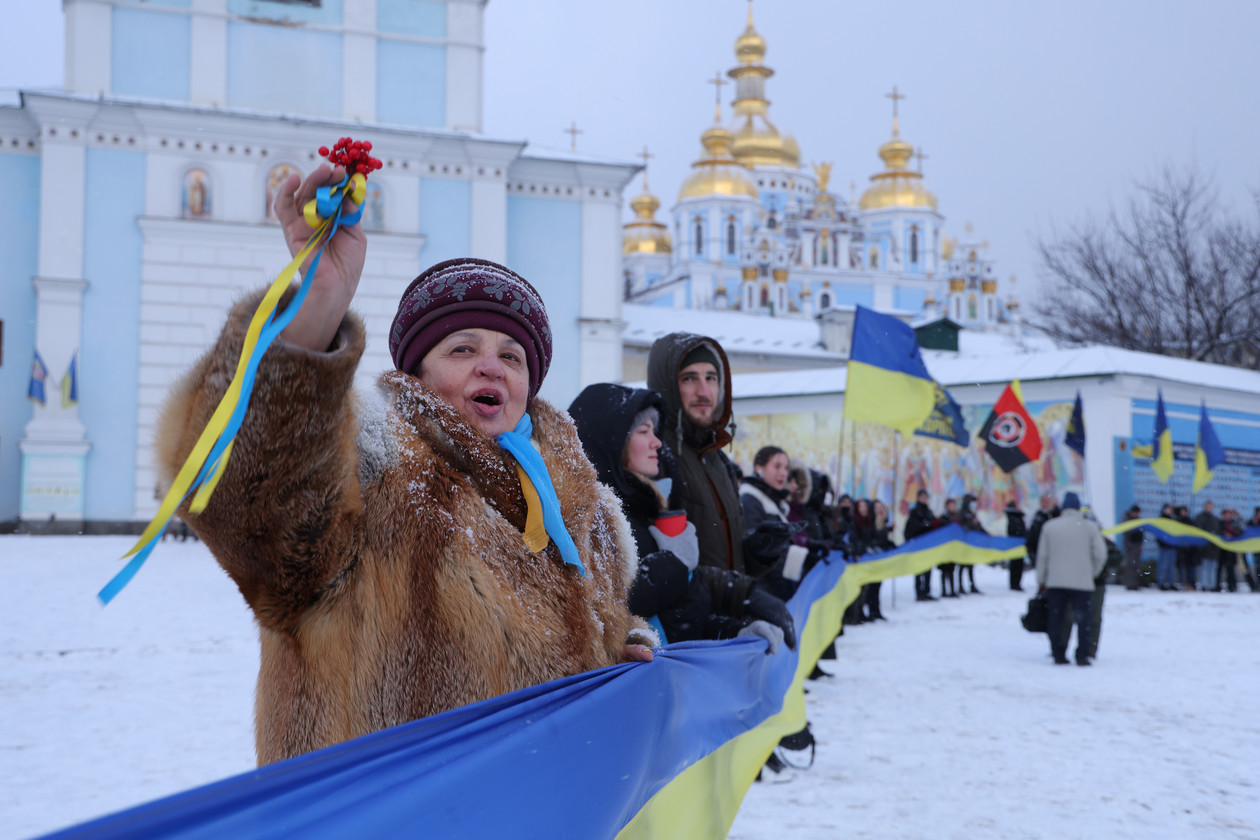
[1070,554]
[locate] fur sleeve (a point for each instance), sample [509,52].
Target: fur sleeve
[283,520]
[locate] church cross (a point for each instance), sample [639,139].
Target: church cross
[895,97]
[573,131]
[646,155]
[717,81]
[920,157]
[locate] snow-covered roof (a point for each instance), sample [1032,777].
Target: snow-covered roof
[737,332]
[976,368]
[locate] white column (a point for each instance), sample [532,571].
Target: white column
[600,310]
[489,219]
[358,61]
[464,51]
[54,445]
[208,59]
[88,47]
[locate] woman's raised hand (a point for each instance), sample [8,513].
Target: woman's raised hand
[340,268]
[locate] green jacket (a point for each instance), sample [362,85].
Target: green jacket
[706,481]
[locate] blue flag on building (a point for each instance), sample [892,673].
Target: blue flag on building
[70,383]
[946,420]
[1208,453]
[1075,437]
[39,373]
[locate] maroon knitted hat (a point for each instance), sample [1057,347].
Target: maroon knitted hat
[469,293]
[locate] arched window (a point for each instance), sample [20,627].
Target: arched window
[824,301]
[699,236]
[973,308]
[730,235]
[765,295]
[914,243]
[874,258]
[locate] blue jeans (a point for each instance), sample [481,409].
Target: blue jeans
[1058,601]
[1207,573]
[1166,566]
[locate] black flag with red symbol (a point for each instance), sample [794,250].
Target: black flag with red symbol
[1010,434]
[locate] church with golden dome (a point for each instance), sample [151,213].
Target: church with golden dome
[755,232]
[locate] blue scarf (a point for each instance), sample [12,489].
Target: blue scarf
[516,443]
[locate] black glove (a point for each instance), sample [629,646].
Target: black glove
[766,541]
[764,606]
[818,552]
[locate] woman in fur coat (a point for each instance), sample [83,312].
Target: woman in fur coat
[400,548]
[618,426]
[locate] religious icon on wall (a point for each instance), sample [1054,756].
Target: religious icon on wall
[374,208]
[275,179]
[973,308]
[196,194]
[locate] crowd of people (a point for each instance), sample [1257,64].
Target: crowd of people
[1206,568]
[451,536]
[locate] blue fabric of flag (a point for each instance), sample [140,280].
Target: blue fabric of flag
[39,373]
[1074,438]
[946,420]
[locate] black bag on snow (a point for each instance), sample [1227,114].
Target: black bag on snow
[1035,619]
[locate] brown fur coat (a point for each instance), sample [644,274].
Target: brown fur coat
[377,539]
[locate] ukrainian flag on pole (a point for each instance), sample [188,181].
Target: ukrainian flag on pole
[1162,455]
[70,383]
[887,380]
[1208,453]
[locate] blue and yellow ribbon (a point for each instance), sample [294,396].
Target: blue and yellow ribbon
[204,466]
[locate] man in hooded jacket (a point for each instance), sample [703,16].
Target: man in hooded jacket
[693,377]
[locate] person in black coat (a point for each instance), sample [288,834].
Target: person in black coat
[967,518]
[919,522]
[617,426]
[1015,528]
[1049,510]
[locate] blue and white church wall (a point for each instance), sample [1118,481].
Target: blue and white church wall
[416,63]
[142,224]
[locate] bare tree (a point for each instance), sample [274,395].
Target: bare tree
[1174,274]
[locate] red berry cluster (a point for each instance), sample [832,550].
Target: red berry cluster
[354,155]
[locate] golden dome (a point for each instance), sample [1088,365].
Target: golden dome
[750,48]
[897,185]
[957,285]
[645,235]
[988,287]
[757,141]
[717,172]
[947,248]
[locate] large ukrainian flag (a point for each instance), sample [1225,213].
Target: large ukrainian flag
[887,381]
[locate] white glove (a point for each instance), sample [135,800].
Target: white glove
[765,630]
[685,546]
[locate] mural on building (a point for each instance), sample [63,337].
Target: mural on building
[275,178]
[374,208]
[866,460]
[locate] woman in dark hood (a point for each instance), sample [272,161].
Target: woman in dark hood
[617,426]
[967,518]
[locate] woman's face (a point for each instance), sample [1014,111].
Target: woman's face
[483,373]
[880,510]
[863,509]
[640,455]
[775,471]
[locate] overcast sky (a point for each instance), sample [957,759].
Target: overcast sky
[1032,115]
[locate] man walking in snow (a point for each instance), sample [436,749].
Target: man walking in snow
[1070,554]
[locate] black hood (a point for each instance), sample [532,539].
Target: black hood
[603,414]
[664,360]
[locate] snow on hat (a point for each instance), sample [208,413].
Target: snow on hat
[469,293]
[1071,501]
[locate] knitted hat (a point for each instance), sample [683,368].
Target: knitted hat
[466,294]
[1071,501]
[700,353]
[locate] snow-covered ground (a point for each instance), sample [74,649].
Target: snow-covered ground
[946,721]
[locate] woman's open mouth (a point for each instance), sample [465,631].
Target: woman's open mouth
[487,403]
